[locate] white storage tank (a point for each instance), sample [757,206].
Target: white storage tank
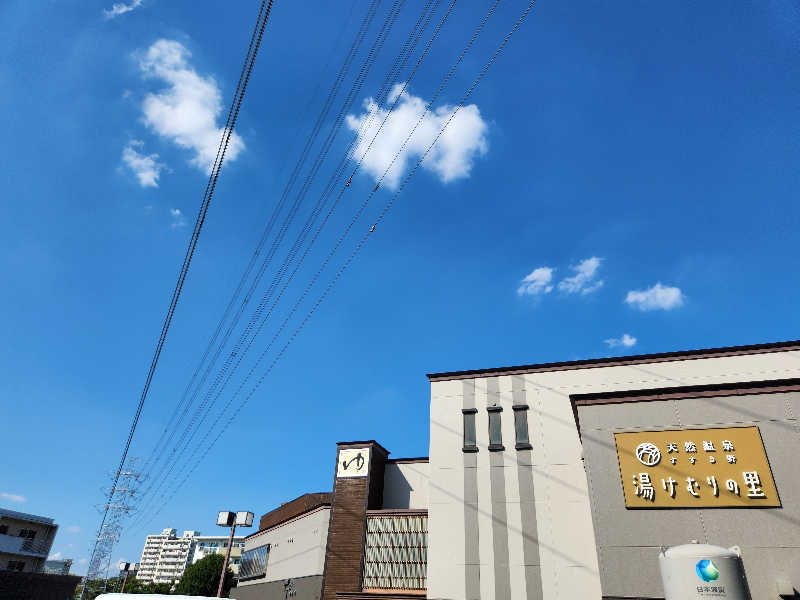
[702,572]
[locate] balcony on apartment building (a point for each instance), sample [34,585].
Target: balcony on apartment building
[11,544]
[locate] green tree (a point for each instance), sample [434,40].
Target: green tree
[202,578]
[95,587]
[135,586]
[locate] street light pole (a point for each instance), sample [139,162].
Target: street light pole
[127,568]
[227,558]
[231,519]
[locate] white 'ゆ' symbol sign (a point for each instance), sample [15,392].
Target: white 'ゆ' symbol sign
[648,454]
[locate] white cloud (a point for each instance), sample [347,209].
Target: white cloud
[83,561]
[120,8]
[55,556]
[583,281]
[73,529]
[178,220]
[626,341]
[186,111]
[657,297]
[538,281]
[12,497]
[145,166]
[452,156]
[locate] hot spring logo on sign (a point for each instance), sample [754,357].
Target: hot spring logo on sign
[706,570]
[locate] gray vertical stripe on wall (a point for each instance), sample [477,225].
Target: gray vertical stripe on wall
[530,540]
[472,568]
[502,573]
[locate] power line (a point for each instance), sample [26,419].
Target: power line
[267,230]
[233,113]
[366,236]
[416,67]
[388,22]
[399,63]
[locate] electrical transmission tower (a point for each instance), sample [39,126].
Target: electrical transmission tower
[121,502]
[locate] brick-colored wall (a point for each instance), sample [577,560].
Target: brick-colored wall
[351,498]
[294,508]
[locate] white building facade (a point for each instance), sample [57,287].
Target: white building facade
[211,544]
[165,555]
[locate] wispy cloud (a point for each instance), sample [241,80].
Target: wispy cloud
[584,281]
[145,166]
[452,156]
[73,529]
[12,497]
[178,220]
[537,282]
[120,8]
[657,297]
[186,111]
[55,556]
[626,341]
[83,561]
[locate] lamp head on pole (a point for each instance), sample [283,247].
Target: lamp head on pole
[244,519]
[226,518]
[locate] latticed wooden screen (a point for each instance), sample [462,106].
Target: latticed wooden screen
[396,552]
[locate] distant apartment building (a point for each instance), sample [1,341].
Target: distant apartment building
[210,544]
[165,556]
[57,567]
[25,541]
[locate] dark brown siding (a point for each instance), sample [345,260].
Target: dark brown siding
[351,498]
[291,509]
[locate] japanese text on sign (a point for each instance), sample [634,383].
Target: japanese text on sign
[695,468]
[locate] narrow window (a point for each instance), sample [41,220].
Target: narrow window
[4,529]
[521,427]
[470,442]
[495,433]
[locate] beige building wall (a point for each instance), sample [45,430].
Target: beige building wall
[489,494]
[405,484]
[297,547]
[33,552]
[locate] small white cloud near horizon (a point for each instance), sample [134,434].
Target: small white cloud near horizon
[12,497]
[450,158]
[73,529]
[583,282]
[657,297]
[178,220]
[120,8]
[145,166]
[83,561]
[54,556]
[626,341]
[539,281]
[186,111]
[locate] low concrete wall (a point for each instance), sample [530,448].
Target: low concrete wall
[37,586]
[306,588]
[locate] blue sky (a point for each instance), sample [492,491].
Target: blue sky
[624,180]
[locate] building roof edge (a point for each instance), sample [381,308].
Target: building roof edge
[620,360]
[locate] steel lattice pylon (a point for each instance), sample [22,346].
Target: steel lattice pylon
[121,503]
